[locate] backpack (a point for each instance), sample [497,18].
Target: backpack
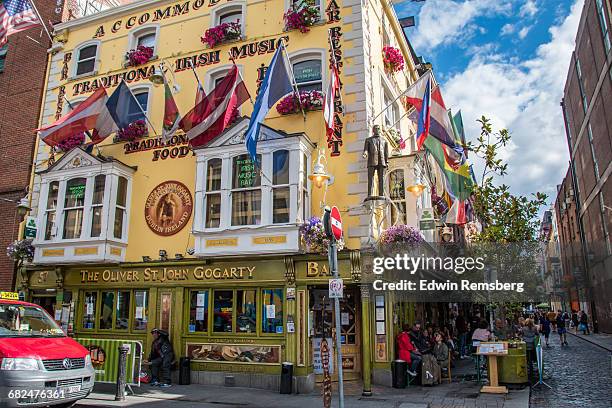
[430,373]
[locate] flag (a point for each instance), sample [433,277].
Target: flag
[123,107]
[81,119]
[275,85]
[424,116]
[330,96]
[15,16]
[458,180]
[440,124]
[457,214]
[213,114]
[172,117]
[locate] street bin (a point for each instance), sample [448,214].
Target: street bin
[512,368]
[286,385]
[184,371]
[399,376]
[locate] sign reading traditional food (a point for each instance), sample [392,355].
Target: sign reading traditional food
[168,208]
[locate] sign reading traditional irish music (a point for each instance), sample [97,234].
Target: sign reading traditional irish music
[168,208]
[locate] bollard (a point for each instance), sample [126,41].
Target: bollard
[121,368]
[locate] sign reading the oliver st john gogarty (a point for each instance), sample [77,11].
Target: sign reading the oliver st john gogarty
[169,274]
[168,208]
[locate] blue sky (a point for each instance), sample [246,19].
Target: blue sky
[507,60]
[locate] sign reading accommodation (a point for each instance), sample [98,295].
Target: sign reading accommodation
[168,208]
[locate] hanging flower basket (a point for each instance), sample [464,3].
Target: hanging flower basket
[135,130]
[393,59]
[20,251]
[301,16]
[313,238]
[71,142]
[310,100]
[222,33]
[403,234]
[141,55]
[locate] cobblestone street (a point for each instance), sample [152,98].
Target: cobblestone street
[579,375]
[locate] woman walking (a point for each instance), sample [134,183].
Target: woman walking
[545,327]
[529,333]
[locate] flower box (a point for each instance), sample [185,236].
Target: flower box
[222,33]
[21,251]
[310,100]
[141,55]
[301,16]
[71,142]
[393,59]
[133,131]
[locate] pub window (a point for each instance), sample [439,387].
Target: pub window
[86,59]
[74,205]
[272,311]
[50,209]
[280,188]
[141,298]
[246,191]
[107,302]
[89,310]
[198,312]
[213,193]
[397,193]
[3,51]
[134,110]
[120,207]
[122,315]
[246,312]
[97,205]
[223,308]
[308,72]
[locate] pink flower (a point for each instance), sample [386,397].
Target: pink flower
[71,142]
[310,100]
[302,16]
[222,33]
[393,59]
[135,130]
[141,55]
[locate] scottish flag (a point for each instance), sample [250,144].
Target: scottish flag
[276,84]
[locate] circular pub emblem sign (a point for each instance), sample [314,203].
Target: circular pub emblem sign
[168,208]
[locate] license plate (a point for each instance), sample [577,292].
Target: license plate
[71,389]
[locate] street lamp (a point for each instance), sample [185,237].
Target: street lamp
[320,176]
[416,189]
[157,78]
[22,205]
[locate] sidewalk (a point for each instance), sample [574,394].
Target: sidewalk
[602,340]
[453,395]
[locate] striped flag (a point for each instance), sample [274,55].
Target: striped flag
[15,16]
[172,116]
[330,96]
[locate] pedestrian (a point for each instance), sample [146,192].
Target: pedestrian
[575,321]
[461,326]
[407,351]
[529,333]
[161,358]
[552,318]
[584,323]
[561,329]
[545,327]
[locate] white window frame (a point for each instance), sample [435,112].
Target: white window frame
[311,54]
[85,208]
[77,51]
[236,190]
[281,186]
[94,206]
[214,74]
[208,193]
[288,3]
[141,88]
[141,31]
[47,211]
[233,6]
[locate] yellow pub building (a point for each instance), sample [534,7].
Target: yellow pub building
[139,234]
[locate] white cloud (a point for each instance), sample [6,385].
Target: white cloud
[523,32]
[523,97]
[507,29]
[529,9]
[447,21]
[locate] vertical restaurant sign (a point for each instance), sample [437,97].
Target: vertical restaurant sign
[334,141]
[168,208]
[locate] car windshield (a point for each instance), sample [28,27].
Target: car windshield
[26,321]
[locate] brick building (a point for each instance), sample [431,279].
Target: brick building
[587,108]
[22,73]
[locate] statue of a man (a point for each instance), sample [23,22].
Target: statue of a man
[376,152]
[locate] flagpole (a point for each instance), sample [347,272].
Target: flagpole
[195,73]
[295,88]
[240,75]
[42,23]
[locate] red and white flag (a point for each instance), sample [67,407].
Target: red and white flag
[82,119]
[213,114]
[332,89]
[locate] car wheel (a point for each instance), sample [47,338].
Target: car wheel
[65,405]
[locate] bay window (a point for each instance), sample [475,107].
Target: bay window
[97,205]
[50,210]
[280,188]
[213,194]
[120,207]
[74,206]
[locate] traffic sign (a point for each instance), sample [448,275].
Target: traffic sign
[336,223]
[336,288]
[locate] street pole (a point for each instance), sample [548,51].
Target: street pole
[333,264]
[121,373]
